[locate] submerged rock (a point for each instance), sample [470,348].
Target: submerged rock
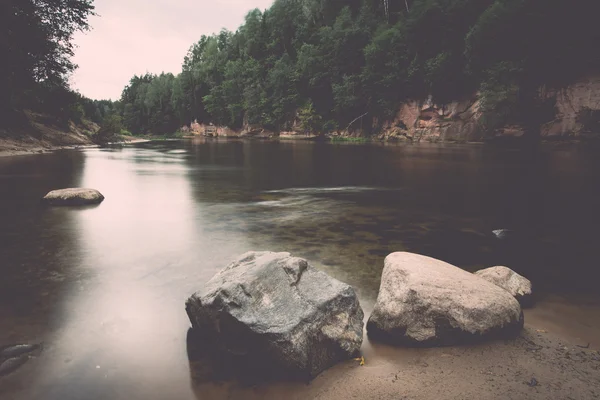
[19,349]
[280,310]
[12,364]
[503,234]
[424,301]
[73,197]
[515,284]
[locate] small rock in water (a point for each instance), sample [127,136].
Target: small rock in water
[12,364]
[18,349]
[73,197]
[502,233]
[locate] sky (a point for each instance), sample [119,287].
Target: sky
[131,37]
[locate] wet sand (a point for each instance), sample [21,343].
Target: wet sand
[536,365]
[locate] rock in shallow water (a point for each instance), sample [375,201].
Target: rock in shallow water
[280,310]
[503,234]
[424,301]
[12,364]
[515,284]
[19,349]
[73,197]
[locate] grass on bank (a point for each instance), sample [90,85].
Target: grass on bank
[345,139]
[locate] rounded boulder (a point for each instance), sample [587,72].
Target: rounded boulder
[73,197]
[427,302]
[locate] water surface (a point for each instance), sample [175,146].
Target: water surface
[104,287]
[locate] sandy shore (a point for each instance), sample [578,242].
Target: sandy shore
[556,356]
[536,365]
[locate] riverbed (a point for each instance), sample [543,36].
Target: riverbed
[104,287]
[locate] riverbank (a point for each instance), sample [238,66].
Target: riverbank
[52,142]
[536,365]
[552,358]
[49,140]
[41,133]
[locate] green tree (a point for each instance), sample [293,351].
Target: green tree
[36,47]
[333,61]
[110,130]
[310,121]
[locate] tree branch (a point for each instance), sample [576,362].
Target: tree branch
[356,119]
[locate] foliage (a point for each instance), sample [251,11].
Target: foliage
[36,46]
[322,63]
[325,62]
[499,94]
[589,120]
[349,139]
[310,121]
[110,130]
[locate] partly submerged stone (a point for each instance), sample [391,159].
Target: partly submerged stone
[515,284]
[424,301]
[503,234]
[19,349]
[73,197]
[10,365]
[279,310]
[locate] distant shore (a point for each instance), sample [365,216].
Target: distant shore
[12,147]
[27,146]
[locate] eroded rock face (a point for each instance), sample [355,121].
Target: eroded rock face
[424,301]
[427,121]
[570,101]
[73,197]
[279,308]
[515,284]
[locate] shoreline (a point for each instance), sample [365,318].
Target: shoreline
[538,364]
[12,147]
[29,146]
[39,150]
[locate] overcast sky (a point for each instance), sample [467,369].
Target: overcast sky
[137,36]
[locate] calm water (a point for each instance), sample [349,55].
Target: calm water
[104,287]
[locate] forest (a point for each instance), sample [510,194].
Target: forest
[36,47]
[320,64]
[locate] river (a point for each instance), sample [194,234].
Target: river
[104,287]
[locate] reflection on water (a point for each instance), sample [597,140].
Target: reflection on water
[104,287]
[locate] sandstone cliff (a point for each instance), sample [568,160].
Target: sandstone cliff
[458,121]
[461,120]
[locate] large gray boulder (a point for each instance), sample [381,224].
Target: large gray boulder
[280,310]
[424,301]
[73,197]
[515,284]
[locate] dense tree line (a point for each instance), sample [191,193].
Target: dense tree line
[319,63]
[36,47]
[325,62]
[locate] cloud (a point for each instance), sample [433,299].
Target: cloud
[137,36]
